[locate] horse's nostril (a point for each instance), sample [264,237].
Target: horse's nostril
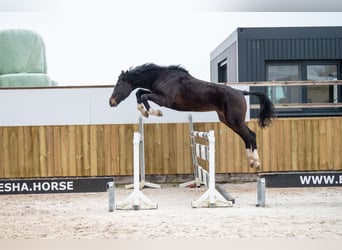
[112,102]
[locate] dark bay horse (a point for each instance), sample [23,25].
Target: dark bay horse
[175,88]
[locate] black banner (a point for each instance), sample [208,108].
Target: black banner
[303,179]
[54,185]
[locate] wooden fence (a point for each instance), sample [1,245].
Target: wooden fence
[294,144]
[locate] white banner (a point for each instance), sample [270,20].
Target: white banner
[80,105]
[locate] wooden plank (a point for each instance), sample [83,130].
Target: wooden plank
[28,155]
[315,144]
[230,151]
[125,152]
[57,171]
[167,133]
[264,147]
[50,151]
[171,146]
[107,147]
[2,158]
[35,151]
[21,152]
[64,142]
[337,144]
[157,152]
[330,143]
[286,133]
[181,163]
[93,150]
[188,167]
[275,145]
[301,144]
[79,157]
[101,166]
[323,144]
[148,142]
[115,150]
[294,146]
[237,153]
[6,150]
[43,151]
[308,145]
[72,150]
[13,152]
[221,149]
[86,165]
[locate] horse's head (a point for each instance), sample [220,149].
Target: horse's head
[122,89]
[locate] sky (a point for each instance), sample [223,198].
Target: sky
[89,42]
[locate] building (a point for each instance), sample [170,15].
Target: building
[284,54]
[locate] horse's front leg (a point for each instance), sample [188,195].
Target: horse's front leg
[161,100]
[141,104]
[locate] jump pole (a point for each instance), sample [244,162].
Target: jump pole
[136,200]
[211,198]
[218,196]
[197,171]
[143,182]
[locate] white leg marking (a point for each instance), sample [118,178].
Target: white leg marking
[253,158]
[249,157]
[142,110]
[155,112]
[256,160]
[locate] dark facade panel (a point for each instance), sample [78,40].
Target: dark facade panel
[257,46]
[288,53]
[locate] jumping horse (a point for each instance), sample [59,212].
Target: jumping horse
[173,87]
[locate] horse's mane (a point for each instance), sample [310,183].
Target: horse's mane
[153,67]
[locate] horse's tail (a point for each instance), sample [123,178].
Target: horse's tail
[267,111]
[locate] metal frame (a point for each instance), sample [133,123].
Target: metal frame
[215,196]
[143,182]
[136,200]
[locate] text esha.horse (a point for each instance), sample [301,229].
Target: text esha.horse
[175,88]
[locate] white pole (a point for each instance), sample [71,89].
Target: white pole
[136,141]
[211,139]
[142,153]
[136,200]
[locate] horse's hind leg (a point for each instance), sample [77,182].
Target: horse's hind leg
[252,151]
[248,136]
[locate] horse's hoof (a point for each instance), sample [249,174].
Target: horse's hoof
[142,110]
[257,165]
[155,112]
[159,113]
[145,113]
[251,163]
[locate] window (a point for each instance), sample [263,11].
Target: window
[301,71]
[284,72]
[222,71]
[320,72]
